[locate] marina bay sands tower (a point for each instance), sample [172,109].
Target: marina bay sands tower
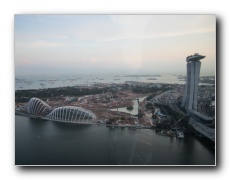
[189,101]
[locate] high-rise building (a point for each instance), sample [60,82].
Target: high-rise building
[189,101]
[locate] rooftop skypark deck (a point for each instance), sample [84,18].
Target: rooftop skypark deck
[195,57]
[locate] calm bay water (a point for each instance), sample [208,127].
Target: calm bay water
[40,142]
[53,81]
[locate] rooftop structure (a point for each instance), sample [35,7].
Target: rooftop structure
[64,114]
[71,114]
[195,57]
[38,107]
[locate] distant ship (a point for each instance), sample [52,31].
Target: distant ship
[29,82]
[167,133]
[42,84]
[151,79]
[180,134]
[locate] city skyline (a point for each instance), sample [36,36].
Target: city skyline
[116,81]
[131,44]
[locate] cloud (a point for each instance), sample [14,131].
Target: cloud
[26,61]
[143,27]
[44,44]
[37,44]
[142,36]
[89,60]
[117,41]
[62,37]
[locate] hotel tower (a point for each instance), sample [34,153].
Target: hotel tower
[189,101]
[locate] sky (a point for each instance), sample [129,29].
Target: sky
[113,44]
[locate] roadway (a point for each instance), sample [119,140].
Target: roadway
[176,108]
[202,129]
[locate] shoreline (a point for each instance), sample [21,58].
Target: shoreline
[93,123]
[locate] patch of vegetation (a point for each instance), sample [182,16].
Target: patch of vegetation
[169,111]
[149,106]
[25,95]
[129,108]
[149,89]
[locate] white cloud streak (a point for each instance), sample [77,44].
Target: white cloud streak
[37,44]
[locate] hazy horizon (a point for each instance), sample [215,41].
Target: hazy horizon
[113,44]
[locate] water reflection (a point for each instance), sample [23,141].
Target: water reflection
[62,126]
[130,147]
[39,142]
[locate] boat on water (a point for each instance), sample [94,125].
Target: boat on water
[167,133]
[122,126]
[180,134]
[151,78]
[132,127]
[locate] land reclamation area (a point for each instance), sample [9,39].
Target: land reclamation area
[159,104]
[100,99]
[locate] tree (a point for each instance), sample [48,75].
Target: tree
[149,106]
[122,118]
[129,108]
